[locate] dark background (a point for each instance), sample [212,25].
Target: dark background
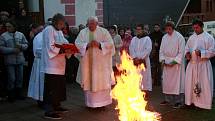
[131,12]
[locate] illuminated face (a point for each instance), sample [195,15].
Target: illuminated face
[169,30]
[92,25]
[157,28]
[139,30]
[60,25]
[121,32]
[10,27]
[23,13]
[198,29]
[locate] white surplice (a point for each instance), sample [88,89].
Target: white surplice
[199,70]
[172,49]
[96,80]
[141,48]
[52,61]
[36,82]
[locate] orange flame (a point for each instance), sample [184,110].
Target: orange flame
[131,103]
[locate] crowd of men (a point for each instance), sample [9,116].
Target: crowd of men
[50,65]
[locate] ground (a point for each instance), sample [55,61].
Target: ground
[28,111]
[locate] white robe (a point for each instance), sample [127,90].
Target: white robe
[52,61]
[36,82]
[172,49]
[141,48]
[199,70]
[96,80]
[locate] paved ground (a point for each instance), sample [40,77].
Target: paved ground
[28,111]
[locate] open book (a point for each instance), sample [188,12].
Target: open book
[70,46]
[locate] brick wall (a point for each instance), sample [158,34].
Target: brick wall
[69,11]
[99,11]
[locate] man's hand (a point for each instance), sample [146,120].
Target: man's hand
[188,56]
[93,44]
[198,52]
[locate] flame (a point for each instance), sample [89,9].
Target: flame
[130,98]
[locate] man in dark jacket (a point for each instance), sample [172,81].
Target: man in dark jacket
[156,37]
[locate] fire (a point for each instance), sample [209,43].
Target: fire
[131,103]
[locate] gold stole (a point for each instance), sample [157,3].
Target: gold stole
[91,38]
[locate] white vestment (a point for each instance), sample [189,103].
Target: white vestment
[52,61]
[172,49]
[36,82]
[96,66]
[141,48]
[199,71]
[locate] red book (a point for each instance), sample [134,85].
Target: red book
[70,46]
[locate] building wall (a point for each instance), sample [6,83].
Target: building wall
[205,14]
[52,7]
[75,11]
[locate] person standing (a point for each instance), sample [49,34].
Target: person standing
[199,76]
[53,62]
[36,82]
[172,59]
[12,45]
[118,44]
[97,48]
[140,49]
[156,37]
[126,41]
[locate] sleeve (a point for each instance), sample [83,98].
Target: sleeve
[181,47]
[37,50]
[188,47]
[131,48]
[81,43]
[50,43]
[147,50]
[107,44]
[4,49]
[210,49]
[24,43]
[161,52]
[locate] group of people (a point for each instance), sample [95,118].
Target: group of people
[99,54]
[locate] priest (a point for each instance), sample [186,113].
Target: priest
[96,48]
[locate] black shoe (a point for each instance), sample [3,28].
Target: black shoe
[164,103]
[61,110]
[11,96]
[53,116]
[177,105]
[19,95]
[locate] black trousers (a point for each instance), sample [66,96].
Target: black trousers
[54,91]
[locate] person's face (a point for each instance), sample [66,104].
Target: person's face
[60,25]
[139,30]
[156,28]
[198,29]
[65,32]
[169,30]
[146,28]
[128,31]
[10,27]
[111,31]
[92,25]
[121,32]
[39,29]
[23,13]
